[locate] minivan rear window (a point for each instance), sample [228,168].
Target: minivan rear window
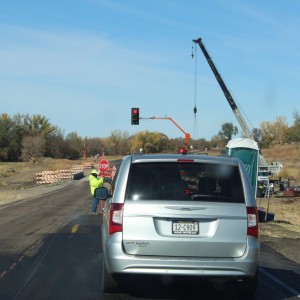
[184,181]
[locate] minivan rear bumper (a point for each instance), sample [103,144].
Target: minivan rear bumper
[118,262]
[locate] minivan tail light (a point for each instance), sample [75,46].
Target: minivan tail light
[252,221]
[116,218]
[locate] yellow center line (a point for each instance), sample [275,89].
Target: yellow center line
[75,228]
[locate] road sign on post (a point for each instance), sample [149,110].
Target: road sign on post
[103,166]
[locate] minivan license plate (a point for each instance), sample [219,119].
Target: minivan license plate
[185,227]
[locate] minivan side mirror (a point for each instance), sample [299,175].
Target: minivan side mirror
[101,193]
[109,187]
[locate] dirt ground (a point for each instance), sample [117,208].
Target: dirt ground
[18,181]
[283,233]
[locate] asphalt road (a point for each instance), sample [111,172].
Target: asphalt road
[50,248]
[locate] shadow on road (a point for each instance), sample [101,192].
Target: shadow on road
[174,287]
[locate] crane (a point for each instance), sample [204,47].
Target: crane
[236,111]
[253,165]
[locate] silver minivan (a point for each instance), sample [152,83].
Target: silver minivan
[187,215]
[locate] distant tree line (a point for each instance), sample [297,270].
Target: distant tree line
[27,138]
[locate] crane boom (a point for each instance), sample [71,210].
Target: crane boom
[255,164]
[237,113]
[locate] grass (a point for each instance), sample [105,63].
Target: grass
[286,211]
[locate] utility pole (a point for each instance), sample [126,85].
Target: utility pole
[84,151]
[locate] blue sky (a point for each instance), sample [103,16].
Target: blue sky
[84,63]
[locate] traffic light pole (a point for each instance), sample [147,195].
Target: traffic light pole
[187,135]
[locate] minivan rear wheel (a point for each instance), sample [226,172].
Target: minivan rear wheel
[109,283]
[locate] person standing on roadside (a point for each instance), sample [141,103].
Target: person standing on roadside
[95,183]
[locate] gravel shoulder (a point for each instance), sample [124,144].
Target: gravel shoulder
[282,240]
[9,196]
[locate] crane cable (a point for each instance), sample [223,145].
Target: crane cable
[195,131]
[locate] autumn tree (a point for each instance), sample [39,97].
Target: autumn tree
[200,144]
[274,132]
[258,137]
[150,142]
[119,142]
[74,146]
[268,133]
[294,131]
[5,126]
[33,147]
[228,130]
[280,129]
[55,145]
[11,135]
[38,124]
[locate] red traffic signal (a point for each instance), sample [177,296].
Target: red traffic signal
[135,116]
[182,150]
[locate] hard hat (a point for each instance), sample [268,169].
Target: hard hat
[94,172]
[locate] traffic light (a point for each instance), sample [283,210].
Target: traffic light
[182,150]
[135,116]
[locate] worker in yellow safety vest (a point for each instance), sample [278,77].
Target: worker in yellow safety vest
[95,183]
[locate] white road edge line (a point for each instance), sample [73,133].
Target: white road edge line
[296,293]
